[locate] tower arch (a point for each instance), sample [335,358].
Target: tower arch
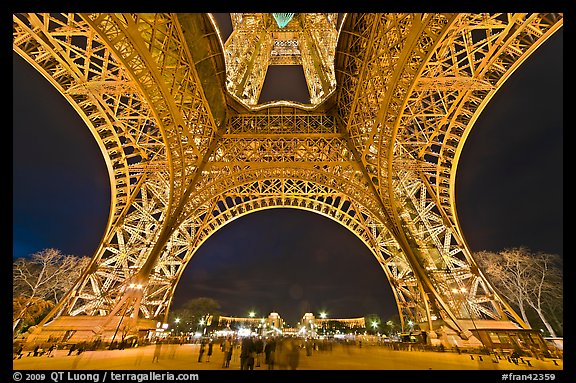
[268,193]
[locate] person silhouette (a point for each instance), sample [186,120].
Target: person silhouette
[157,351]
[202,350]
[209,353]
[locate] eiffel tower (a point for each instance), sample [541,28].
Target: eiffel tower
[174,107]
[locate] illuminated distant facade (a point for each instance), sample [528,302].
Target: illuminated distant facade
[309,321]
[272,321]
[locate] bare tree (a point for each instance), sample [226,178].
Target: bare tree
[546,286]
[555,311]
[510,274]
[527,280]
[46,276]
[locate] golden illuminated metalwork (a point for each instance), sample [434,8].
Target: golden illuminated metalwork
[257,41]
[188,148]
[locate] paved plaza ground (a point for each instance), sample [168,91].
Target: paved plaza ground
[185,357]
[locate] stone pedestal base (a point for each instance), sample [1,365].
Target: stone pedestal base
[78,329]
[446,334]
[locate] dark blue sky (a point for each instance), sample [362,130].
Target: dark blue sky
[509,193]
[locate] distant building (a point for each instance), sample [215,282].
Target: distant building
[312,326]
[309,325]
[310,321]
[272,321]
[350,323]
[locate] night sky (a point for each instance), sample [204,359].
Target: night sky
[509,193]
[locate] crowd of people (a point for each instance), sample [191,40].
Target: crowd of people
[254,351]
[244,353]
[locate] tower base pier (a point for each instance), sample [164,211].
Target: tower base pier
[77,329]
[489,335]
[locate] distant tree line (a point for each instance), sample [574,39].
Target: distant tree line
[193,315]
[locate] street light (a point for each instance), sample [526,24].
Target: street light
[177,321]
[374,326]
[251,314]
[411,324]
[201,323]
[323,315]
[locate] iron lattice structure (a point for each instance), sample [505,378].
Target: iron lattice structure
[188,148]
